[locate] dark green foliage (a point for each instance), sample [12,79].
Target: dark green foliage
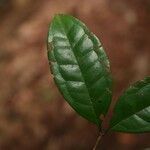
[80,67]
[132,112]
[81,71]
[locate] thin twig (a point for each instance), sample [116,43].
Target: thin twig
[98,140]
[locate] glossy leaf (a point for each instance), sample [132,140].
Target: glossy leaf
[132,112]
[80,67]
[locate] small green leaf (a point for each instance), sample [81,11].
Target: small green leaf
[80,67]
[132,112]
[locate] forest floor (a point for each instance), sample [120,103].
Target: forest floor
[33,114]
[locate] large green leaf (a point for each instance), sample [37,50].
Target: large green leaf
[80,67]
[132,112]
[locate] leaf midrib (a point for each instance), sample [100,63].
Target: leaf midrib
[129,117]
[97,117]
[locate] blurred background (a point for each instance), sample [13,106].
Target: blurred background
[33,114]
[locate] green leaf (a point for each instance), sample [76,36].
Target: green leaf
[132,112]
[80,67]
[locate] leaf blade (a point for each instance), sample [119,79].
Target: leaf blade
[80,67]
[132,111]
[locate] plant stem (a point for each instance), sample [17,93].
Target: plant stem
[98,140]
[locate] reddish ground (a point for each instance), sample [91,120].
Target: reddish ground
[33,114]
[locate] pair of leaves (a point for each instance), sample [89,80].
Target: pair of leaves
[82,73]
